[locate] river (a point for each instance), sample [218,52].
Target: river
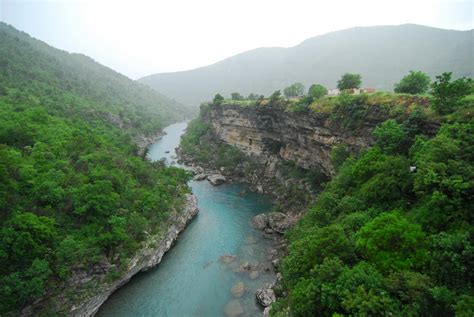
[193,279]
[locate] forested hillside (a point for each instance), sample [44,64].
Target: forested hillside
[381,54]
[74,192]
[392,233]
[74,83]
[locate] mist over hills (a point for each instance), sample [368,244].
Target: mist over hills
[381,54]
[31,67]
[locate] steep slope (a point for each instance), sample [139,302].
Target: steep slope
[391,234]
[381,54]
[81,209]
[27,63]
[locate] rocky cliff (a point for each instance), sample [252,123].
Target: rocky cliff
[93,288]
[272,134]
[285,148]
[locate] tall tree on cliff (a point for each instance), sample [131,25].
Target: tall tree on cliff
[413,83]
[349,81]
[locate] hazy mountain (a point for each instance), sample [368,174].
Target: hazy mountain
[381,54]
[29,66]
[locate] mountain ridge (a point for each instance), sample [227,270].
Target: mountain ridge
[323,59]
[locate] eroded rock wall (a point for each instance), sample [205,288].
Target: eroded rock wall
[272,134]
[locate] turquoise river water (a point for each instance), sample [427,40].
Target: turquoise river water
[192,280]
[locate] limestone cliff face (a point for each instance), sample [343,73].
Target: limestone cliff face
[271,134]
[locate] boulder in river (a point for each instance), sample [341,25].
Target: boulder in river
[265,295]
[227,258]
[254,275]
[238,289]
[250,240]
[245,266]
[216,179]
[279,222]
[233,308]
[260,221]
[198,170]
[200,177]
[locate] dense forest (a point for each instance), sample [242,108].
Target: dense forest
[392,233]
[75,189]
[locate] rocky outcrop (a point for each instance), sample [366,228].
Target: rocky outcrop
[216,179]
[144,141]
[273,222]
[145,258]
[265,295]
[271,134]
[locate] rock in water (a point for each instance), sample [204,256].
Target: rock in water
[278,221]
[198,170]
[245,266]
[260,222]
[250,240]
[254,275]
[216,179]
[238,289]
[233,308]
[265,295]
[199,177]
[227,258]
[266,312]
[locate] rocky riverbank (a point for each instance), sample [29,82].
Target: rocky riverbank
[92,288]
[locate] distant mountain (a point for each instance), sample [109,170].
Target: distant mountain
[30,66]
[381,54]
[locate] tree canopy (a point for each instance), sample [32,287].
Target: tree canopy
[413,83]
[391,234]
[448,94]
[75,190]
[317,91]
[349,81]
[295,90]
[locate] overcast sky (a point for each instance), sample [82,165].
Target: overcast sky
[138,37]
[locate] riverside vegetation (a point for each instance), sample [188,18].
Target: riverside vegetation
[76,192]
[391,234]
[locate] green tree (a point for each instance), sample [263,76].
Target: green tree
[317,91]
[339,154]
[443,177]
[448,94]
[319,243]
[390,137]
[236,96]
[413,83]
[252,96]
[295,90]
[450,258]
[349,81]
[275,97]
[392,242]
[218,99]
